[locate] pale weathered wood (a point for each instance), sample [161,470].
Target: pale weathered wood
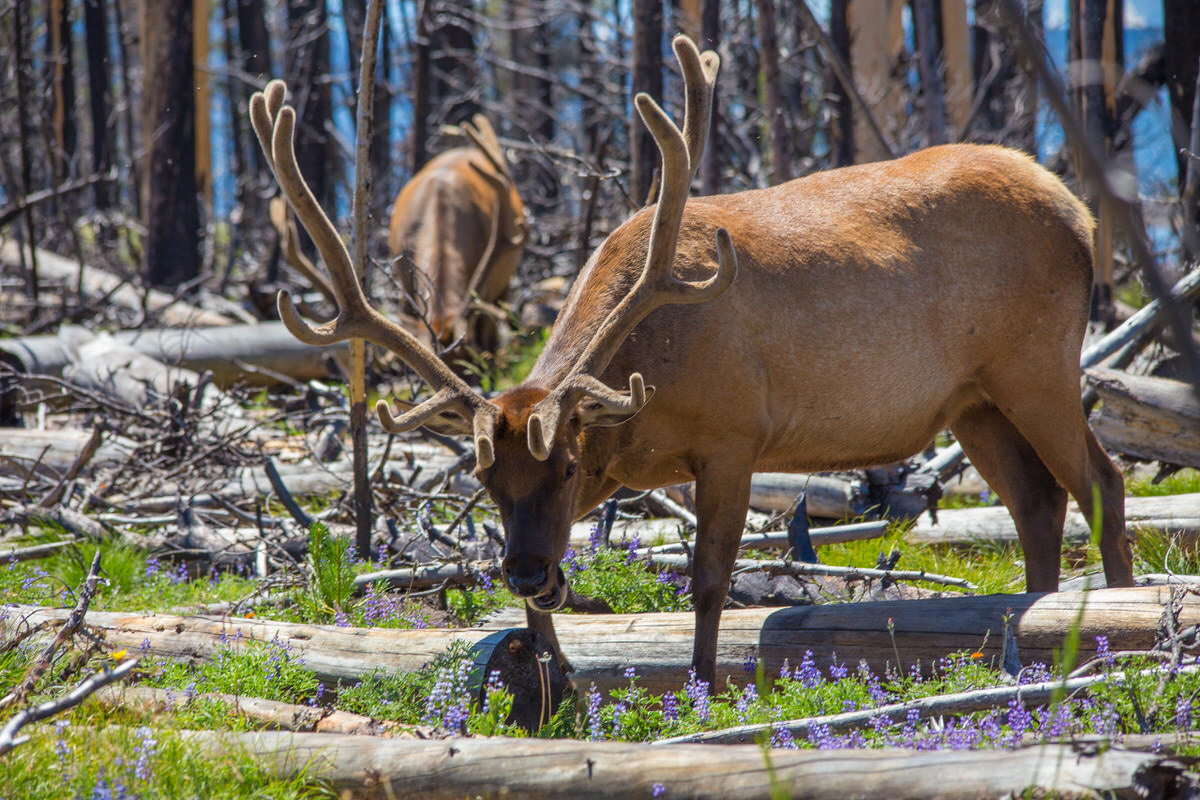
[272,713]
[1148,418]
[601,647]
[253,353]
[555,768]
[56,450]
[116,291]
[1175,513]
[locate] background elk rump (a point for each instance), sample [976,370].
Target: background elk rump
[457,233]
[460,226]
[865,310]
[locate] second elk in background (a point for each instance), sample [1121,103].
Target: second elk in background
[460,226]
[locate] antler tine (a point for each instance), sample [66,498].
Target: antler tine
[274,123]
[657,285]
[483,135]
[542,425]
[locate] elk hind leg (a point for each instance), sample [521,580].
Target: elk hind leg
[1012,468]
[1054,423]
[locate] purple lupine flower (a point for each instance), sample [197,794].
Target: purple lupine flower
[658,790]
[1102,650]
[595,729]
[747,698]
[807,673]
[144,752]
[822,737]
[785,671]
[152,566]
[340,619]
[618,712]
[697,692]
[1019,721]
[837,671]
[782,738]
[485,580]
[631,674]
[750,666]
[494,684]
[1183,714]
[596,536]
[449,701]
[670,707]
[631,549]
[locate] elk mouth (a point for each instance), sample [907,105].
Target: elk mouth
[553,596]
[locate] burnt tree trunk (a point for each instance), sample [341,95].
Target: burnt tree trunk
[172,210]
[100,103]
[62,75]
[1181,35]
[927,22]
[842,132]
[776,125]
[307,77]
[648,78]
[422,83]
[1008,111]
[1096,56]
[710,161]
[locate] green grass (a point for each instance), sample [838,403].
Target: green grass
[1186,481]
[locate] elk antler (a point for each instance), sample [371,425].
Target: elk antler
[274,123]
[657,285]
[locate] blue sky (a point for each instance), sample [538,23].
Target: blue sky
[1138,13]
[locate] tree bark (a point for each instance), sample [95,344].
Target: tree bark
[648,78]
[61,63]
[711,162]
[601,647]
[307,74]
[775,122]
[541,769]
[170,201]
[1148,418]
[100,103]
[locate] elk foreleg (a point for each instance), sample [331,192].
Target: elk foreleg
[543,622]
[722,499]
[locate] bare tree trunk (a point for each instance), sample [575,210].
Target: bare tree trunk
[203,101]
[124,37]
[1096,56]
[710,161]
[647,77]
[172,211]
[66,137]
[422,85]
[926,24]
[781,162]
[100,103]
[842,133]
[307,73]
[32,288]
[1181,34]
[384,172]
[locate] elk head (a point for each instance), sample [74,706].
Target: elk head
[531,442]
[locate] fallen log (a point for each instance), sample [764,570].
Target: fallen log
[256,354]
[1178,514]
[601,647]
[114,290]
[669,530]
[554,768]
[271,713]
[1153,419]
[57,450]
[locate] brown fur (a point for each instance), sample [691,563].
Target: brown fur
[442,220]
[873,307]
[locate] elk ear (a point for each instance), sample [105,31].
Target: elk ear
[595,412]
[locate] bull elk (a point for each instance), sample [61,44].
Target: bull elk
[461,223]
[864,310]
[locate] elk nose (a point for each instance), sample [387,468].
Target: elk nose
[527,582]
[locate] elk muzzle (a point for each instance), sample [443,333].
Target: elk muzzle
[540,582]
